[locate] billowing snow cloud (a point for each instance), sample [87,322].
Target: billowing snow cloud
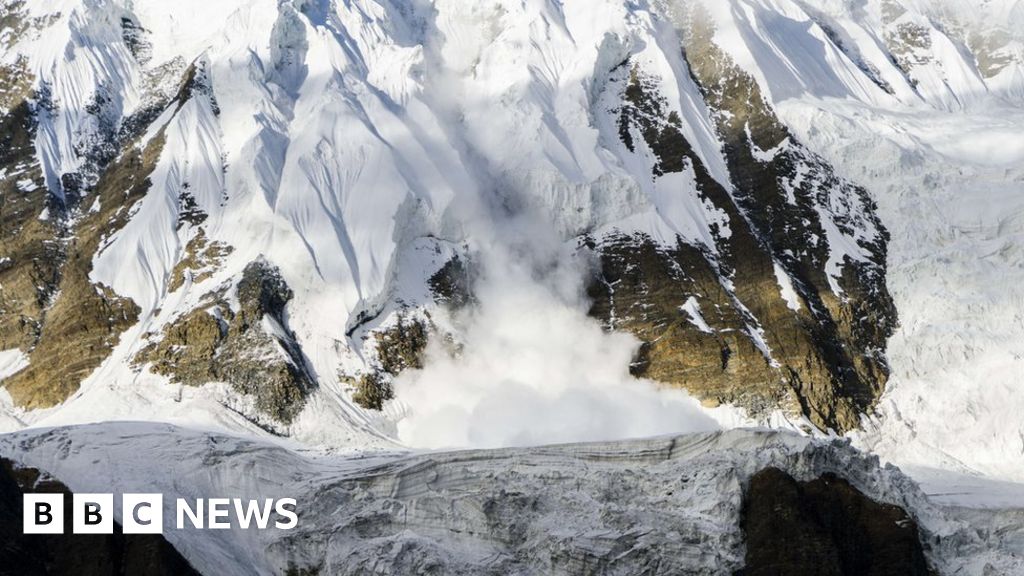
[535,369]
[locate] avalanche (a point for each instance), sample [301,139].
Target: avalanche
[357,146]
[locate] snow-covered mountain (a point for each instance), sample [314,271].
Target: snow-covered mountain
[376,224]
[218,213]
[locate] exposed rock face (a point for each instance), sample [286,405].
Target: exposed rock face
[695,333]
[68,325]
[794,203]
[199,262]
[49,307]
[825,527]
[74,554]
[30,252]
[51,310]
[990,48]
[774,314]
[86,320]
[782,305]
[398,348]
[912,41]
[251,347]
[910,44]
[452,285]
[16,23]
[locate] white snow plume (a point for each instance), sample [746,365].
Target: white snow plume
[534,368]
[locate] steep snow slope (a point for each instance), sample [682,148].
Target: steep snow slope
[884,53]
[672,502]
[357,147]
[333,153]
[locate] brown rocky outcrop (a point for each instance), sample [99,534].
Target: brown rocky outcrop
[49,308]
[85,321]
[643,288]
[824,359]
[199,261]
[251,347]
[397,348]
[452,285]
[65,323]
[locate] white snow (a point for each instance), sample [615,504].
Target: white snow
[949,188]
[11,361]
[953,400]
[361,144]
[692,309]
[786,289]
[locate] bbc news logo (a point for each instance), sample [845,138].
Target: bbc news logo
[144,514]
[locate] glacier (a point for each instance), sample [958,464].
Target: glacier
[670,502]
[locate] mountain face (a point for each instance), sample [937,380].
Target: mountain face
[271,216]
[373,226]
